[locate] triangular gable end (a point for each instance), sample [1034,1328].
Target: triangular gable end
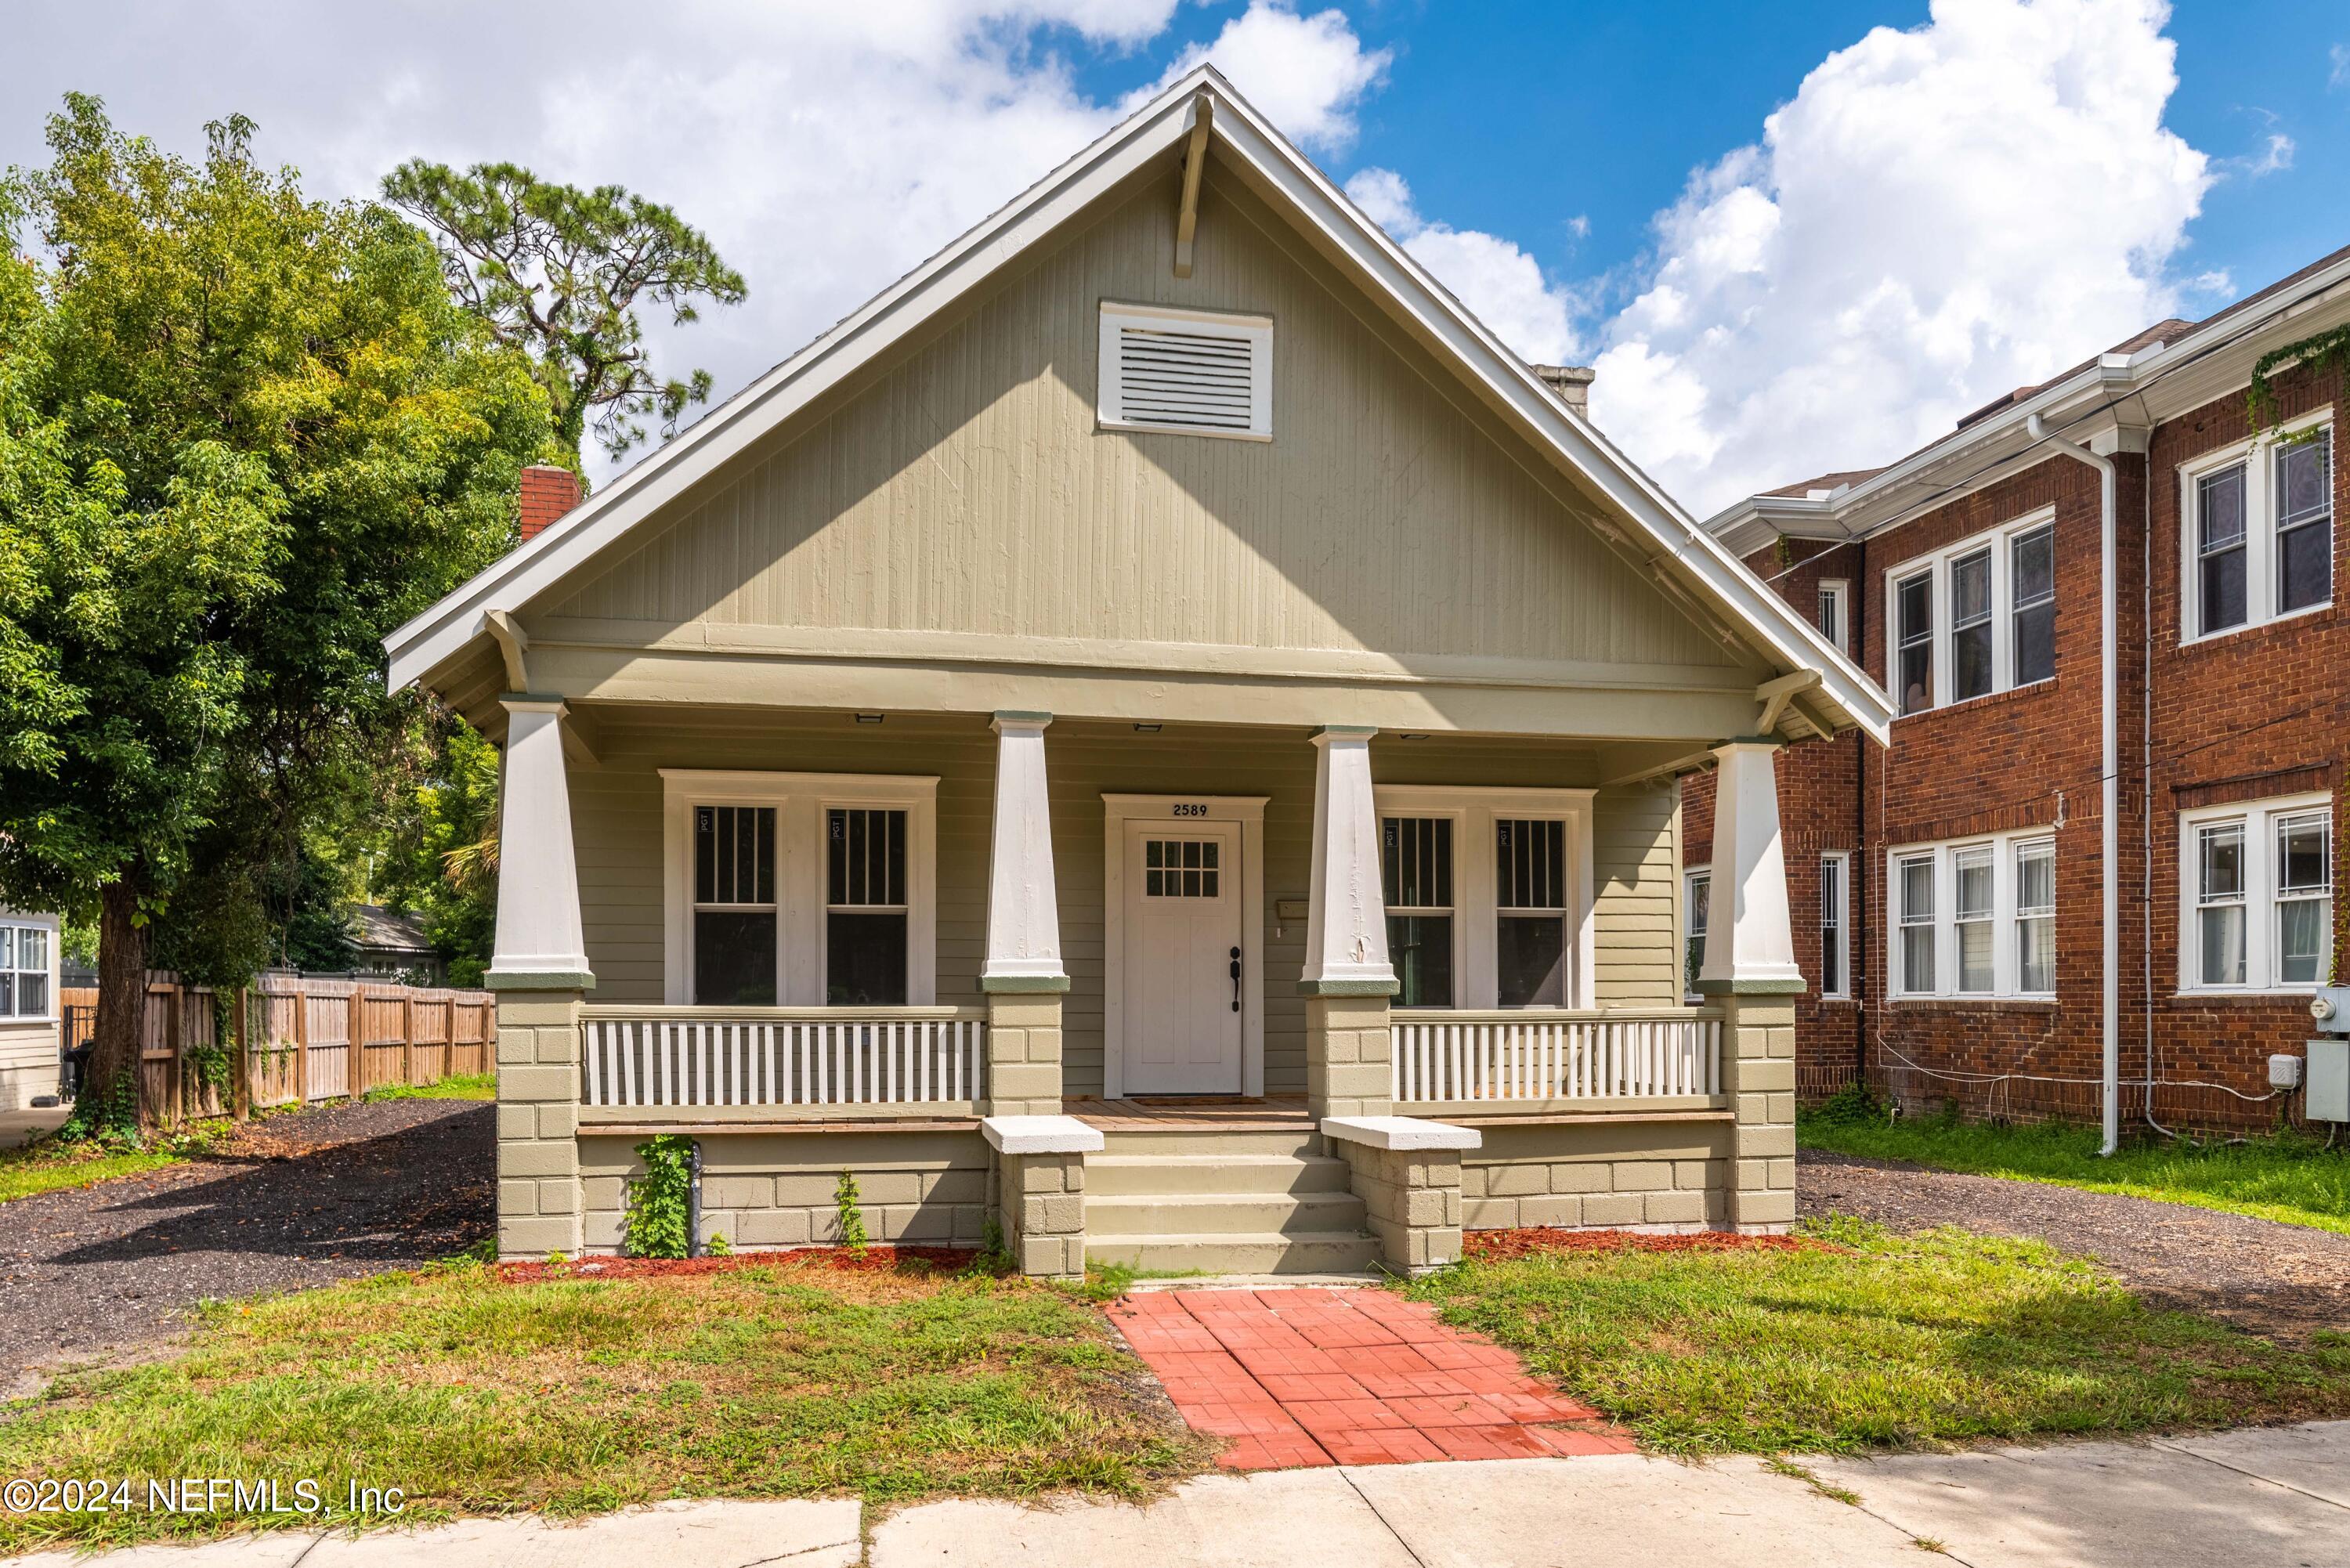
[1687,564]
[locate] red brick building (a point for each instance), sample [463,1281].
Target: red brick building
[1949,892]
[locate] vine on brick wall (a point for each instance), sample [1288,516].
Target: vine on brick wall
[2323,352]
[2341,894]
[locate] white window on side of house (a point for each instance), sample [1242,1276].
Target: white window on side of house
[25,958]
[1186,372]
[1975,919]
[1697,899]
[2256,530]
[1835,931]
[1416,871]
[1835,612]
[1488,895]
[1996,630]
[2257,895]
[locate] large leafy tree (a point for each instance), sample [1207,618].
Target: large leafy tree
[561,274]
[242,435]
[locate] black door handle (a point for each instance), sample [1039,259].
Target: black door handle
[1236,979]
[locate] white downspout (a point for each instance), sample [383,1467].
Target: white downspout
[2107,702]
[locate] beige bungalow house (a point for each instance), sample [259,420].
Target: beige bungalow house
[1154,734]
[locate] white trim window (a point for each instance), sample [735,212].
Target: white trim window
[1836,928]
[1975,618]
[2256,903]
[1696,897]
[27,971]
[1186,372]
[802,890]
[2256,530]
[1974,919]
[1835,611]
[1488,895]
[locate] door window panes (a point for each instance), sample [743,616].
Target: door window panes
[734,952]
[1415,872]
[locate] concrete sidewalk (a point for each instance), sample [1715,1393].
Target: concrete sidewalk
[2278,1498]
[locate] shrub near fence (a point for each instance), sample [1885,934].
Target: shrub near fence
[306,1038]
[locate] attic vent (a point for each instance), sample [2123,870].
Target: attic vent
[1186,370]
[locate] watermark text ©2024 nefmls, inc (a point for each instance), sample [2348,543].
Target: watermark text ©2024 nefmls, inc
[306,1496]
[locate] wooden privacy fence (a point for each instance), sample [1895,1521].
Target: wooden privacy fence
[306,1038]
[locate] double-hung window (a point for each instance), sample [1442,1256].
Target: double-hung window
[2258,530]
[1835,947]
[1530,912]
[1996,630]
[1697,888]
[24,956]
[800,890]
[2257,895]
[1835,612]
[1976,919]
[1416,869]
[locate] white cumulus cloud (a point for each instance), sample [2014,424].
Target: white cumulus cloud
[1939,215]
[1501,284]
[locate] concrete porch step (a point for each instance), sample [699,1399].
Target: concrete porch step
[1123,1175]
[1276,1143]
[1239,1253]
[1224,1213]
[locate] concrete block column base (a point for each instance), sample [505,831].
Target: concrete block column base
[1758,1074]
[540,1195]
[1023,1052]
[1346,1056]
[1408,1174]
[1040,1201]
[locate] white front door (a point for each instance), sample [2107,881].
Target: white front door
[1182,1028]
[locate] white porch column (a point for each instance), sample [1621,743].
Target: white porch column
[1346,915]
[540,944]
[1024,916]
[1748,947]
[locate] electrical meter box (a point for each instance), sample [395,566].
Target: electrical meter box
[2327,1098]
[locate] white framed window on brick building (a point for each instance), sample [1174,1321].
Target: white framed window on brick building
[1973,919]
[1488,894]
[1697,905]
[1835,924]
[2256,530]
[1835,612]
[2256,894]
[1976,618]
[799,890]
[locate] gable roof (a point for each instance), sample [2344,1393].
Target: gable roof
[1683,559]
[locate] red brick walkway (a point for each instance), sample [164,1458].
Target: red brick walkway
[1350,1376]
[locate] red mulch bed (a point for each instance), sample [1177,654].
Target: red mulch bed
[874,1260]
[1496,1246]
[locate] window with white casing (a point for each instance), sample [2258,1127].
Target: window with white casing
[1835,612]
[2256,530]
[1977,617]
[1975,918]
[1488,895]
[1188,373]
[26,984]
[1836,930]
[800,890]
[2256,886]
[1696,897]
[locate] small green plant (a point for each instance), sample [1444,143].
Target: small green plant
[558,1259]
[207,1064]
[1852,1105]
[106,1115]
[657,1201]
[853,1234]
[994,1252]
[718,1246]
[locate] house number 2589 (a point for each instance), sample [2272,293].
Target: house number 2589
[1190,808]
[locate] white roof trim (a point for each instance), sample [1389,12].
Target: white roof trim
[1701,560]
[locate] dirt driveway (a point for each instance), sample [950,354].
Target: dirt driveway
[2287,1280]
[293,1200]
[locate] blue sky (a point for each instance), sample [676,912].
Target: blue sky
[1958,196]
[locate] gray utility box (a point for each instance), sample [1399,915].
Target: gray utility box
[2327,1098]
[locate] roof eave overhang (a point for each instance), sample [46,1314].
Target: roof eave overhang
[1681,550]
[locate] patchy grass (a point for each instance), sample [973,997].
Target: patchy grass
[575,1395]
[2286,1175]
[1877,1340]
[456,1087]
[56,1168]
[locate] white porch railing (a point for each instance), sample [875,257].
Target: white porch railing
[782,1056]
[1513,1055]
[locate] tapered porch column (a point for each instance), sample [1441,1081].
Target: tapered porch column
[1749,968]
[540,973]
[1022,973]
[1347,978]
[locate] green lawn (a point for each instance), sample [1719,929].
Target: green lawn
[2285,1176]
[51,1168]
[456,1087]
[575,1396]
[1881,1341]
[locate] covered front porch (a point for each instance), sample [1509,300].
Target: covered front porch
[1242,998]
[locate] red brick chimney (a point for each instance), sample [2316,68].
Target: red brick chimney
[546,493]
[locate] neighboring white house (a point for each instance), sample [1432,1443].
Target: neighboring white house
[28,1008]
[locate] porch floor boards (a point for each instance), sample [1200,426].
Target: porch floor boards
[1193,1113]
